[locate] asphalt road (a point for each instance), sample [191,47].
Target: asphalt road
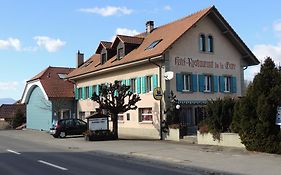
[20,157]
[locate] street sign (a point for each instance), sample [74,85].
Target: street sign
[157,93]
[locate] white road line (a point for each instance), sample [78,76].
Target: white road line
[11,151]
[52,165]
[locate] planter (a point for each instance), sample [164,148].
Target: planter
[227,139]
[172,134]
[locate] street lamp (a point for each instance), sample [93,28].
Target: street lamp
[178,106]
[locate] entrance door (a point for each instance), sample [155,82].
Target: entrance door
[186,121]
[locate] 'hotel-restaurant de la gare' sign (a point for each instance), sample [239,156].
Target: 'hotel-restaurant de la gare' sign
[190,62]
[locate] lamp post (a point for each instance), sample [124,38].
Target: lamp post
[178,117]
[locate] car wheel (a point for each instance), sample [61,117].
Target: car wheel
[55,136]
[62,134]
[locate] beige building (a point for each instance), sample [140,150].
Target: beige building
[205,54]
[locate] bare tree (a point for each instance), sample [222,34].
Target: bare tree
[116,98]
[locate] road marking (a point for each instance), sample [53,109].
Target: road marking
[52,165]
[11,151]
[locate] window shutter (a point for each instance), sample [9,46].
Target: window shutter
[233,85]
[179,82]
[98,89]
[201,83]
[76,94]
[138,85]
[83,93]
[128,82]
[155,81]
[215,80]
[143,84]
[221,83]
[90,91]
[194,82]
[123,82]
[115,93]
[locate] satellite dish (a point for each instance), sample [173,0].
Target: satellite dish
[168,75]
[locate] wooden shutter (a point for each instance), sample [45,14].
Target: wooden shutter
[143,84]
[155,81]
[215,80]
[179,82]
[221,83]
[194,82]
[90,91]
[201,82]
[138,85]
[76,93]
[233,85]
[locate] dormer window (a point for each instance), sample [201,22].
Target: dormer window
[103,58]
[120,53]
[153,44]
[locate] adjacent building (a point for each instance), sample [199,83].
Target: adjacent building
[48,97]
[205,54]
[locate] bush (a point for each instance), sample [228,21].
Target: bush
[219,116]
[99,135]
[18,119]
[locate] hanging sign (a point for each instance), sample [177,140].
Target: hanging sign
[157,93]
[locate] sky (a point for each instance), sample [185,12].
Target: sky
[37,34]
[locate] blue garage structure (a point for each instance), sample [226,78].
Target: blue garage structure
[48,98]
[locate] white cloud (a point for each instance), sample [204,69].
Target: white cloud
[50,44]
[125,31]
[108,11]
[167,8]
[13,85]
[264,50]
[10,43]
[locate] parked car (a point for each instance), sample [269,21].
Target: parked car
[66,127]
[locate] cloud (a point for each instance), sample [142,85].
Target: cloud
[167,8]
[108,11]
[264,50]
[125,31]
[10,43]
[12,85]
[50,44]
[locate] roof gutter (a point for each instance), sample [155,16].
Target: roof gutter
[146,60]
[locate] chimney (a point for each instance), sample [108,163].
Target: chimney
[79,59]
[149,26]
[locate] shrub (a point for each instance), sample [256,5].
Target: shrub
[219,116]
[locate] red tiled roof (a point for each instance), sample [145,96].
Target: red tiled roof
[53,85]
[10,110]
[168,34]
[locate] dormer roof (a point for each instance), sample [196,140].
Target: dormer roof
[127,40]
[103,44]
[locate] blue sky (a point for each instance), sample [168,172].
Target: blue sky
[35,34]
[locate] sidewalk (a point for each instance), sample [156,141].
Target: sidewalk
[232,160]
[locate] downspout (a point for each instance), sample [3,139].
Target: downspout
[161,102]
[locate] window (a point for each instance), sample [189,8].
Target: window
[62,76]
[103,58]
[79,93]
[153,44]
[202,44]
[120,53]
[227,84]
[187,82]
[82,115]
[133,85]
[128,116]
[148,83]
[145,114]
[210,44]
[87,92]
[207,83]
[121,117]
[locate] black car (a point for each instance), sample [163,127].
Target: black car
[66,127]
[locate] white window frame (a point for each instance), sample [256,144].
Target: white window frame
[187,82]
[207,83]
[227,83]
[142,115]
